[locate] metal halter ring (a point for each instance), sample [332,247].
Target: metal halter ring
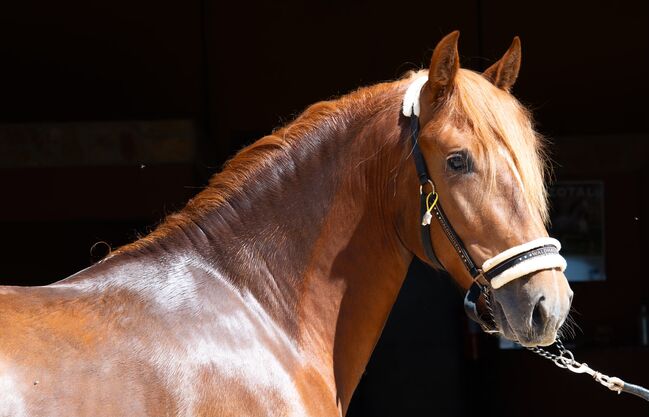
[421,187]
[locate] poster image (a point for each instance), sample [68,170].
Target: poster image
[577,221]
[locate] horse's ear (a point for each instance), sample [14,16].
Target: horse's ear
[504,72]
[444,64]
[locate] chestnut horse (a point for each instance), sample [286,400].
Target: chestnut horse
[266,294]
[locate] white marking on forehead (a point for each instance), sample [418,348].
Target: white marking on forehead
[512,166]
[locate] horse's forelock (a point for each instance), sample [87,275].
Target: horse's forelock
[497,120]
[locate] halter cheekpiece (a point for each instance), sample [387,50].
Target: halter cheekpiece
[513,263]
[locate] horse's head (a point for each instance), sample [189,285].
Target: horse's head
[488,169]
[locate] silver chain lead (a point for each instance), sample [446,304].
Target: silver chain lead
[566,360]
[487,301]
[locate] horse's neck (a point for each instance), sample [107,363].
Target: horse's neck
[356,264]
[319,249]
[315,243]
[350,287]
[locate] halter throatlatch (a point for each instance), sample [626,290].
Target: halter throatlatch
[513,263]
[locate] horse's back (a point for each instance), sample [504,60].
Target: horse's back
[58,356]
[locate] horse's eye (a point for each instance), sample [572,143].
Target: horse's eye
[459,162]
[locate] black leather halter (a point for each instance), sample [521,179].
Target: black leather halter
[481,280]
[477,288]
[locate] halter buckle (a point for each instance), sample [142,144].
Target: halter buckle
[481,279]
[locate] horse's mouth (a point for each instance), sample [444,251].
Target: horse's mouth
[525,337]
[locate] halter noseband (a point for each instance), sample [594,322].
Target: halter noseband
[513,263]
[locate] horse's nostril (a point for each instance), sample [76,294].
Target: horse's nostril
[539,314]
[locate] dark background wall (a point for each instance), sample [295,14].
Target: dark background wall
[85,86]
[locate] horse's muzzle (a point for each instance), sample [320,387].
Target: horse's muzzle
[532,309]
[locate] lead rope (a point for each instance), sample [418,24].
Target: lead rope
[566,360]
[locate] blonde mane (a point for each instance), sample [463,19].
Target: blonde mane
[498,120]
[256,165]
